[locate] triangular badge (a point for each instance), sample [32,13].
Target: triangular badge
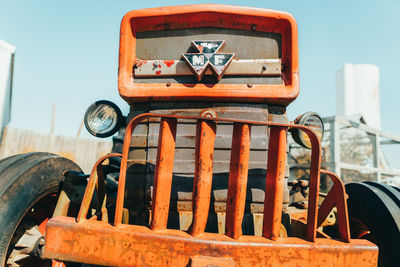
[219,62]
[208,48]
[197,63]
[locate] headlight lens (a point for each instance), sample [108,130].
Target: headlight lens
[311,120]
[103,118]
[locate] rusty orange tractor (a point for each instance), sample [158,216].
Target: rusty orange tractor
[198,175]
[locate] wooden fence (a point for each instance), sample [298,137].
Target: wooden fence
[83,151]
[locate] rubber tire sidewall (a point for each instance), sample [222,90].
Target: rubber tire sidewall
[375,209]
[29,183]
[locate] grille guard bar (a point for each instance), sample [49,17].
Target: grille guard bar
[205,137]
[206,127]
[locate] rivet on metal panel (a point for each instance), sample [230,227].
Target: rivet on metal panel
[168,84]
[208,113]
[249,85]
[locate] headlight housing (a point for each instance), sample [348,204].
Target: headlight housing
[103,118]
[311,120]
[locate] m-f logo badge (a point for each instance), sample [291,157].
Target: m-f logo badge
[208,56]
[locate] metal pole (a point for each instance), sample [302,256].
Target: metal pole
[375,144]
[335,145]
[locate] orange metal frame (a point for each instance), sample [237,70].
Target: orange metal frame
[98,242]
[205,15]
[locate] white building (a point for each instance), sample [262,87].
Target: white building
[357,93]
[7,54]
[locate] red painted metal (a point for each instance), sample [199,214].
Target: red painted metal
[200,16]
[336,197]
[124,163]
[205,139]
[238,173]
[278,134]
[163,174]
[57,264]
[204,261]
[97,242]
[274,182]
[84,240]
[314,168]
[91,186]
[314,184]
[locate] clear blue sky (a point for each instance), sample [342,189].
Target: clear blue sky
[67,52]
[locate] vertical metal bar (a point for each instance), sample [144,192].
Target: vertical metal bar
[336,197]
[376,152]
[62,205]
[343,217]
[55,263]
[335,145]
[124,164]
[205,139]
[87,197]
[163,174]
[315,166]
[101,194]
[238,172]
[274,182]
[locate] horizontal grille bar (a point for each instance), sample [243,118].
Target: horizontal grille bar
[162,68]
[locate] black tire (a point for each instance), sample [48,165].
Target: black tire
[25,180]
[376,206]
[396,188]
[389,191]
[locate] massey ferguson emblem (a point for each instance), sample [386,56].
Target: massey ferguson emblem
[208,56]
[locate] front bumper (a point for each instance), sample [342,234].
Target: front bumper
[96,242]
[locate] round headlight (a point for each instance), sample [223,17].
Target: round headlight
[103,118]
[311,120]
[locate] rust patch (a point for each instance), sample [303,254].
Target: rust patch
[169,63]
[133,245]
[140,63]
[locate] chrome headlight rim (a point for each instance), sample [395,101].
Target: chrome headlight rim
[302,120]
[115,127]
